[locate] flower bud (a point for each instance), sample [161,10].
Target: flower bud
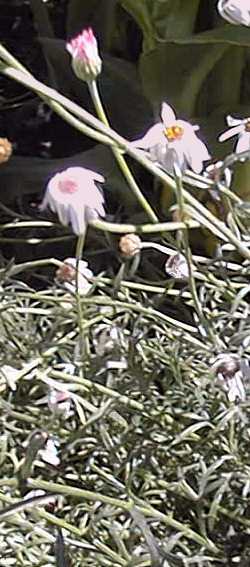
[86,62]
[130,245]
[5,150]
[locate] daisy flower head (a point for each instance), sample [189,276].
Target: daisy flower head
[86,62]
[235,12]
[240,128]
[174,142]
[73,195]
[66,275]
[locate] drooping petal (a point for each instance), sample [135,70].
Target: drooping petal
[231,121]
[231,132]
[196,153]
[70,193]
[243,143]
[167,114]
[152,137]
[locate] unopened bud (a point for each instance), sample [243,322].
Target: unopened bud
[86,61]
[5,150]
[130,245]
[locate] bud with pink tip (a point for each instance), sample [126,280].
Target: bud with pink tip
[86,61]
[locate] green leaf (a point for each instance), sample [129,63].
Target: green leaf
[174,73]
[231,35]
[173,19]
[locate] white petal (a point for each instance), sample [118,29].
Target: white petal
[235,11]
[231,121]
[198,157]
[167,114]
[153,136]
[243,143]
[231,132]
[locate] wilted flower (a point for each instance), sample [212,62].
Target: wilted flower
[5,150]
[173,142]
[177,266]
[240,128]
[129,245]
[86,61]
[66,275]
[227,368]
[73,195]
[213,172]
[235,11]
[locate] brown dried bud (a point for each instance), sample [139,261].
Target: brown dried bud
[130,245]
[66,273]
[5,150]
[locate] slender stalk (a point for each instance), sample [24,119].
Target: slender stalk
[13,69]
[93,89]
[188,254]
[79,251]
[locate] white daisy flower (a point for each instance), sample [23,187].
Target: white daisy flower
[236,12]
[74,196]
[66,275]
[173,142]
[240,127]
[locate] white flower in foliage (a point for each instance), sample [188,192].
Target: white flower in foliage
[67,275]
[173,142]
[236,12]
[240,128]
[74,196]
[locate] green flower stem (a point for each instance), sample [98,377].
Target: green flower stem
[127,506]
[79,251]
[25,78]
[16,269]
[27,224]
[93,89]
[141,228]
[90,385]
[188,254]
[15,71]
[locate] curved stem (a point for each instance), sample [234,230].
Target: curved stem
[79,251]
[93,89]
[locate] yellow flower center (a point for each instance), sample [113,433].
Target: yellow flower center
[174,133]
